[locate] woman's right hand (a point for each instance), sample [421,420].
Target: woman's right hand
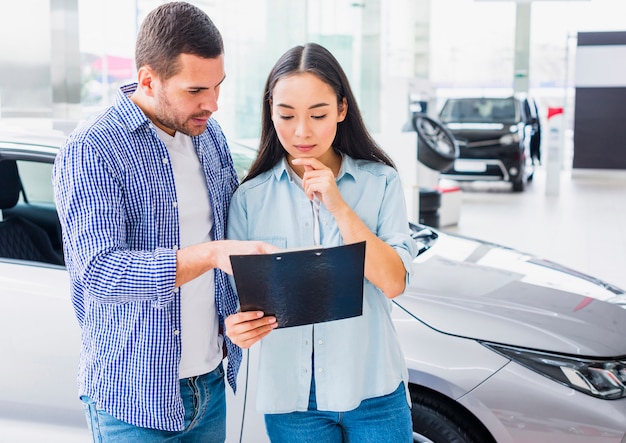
[246,328]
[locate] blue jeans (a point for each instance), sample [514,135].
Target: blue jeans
[385,419]
[204,399]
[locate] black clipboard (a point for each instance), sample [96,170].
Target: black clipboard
[302,287]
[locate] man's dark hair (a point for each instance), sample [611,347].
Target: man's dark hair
[172,29]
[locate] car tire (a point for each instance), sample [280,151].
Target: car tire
[436,148]
[436,421]
[519,185]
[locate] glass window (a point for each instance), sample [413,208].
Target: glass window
[255,32]
[36,182]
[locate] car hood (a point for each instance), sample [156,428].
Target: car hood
[470,132]
[487,292]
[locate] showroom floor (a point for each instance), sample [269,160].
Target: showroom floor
[584,227]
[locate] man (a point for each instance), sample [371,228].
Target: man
[143,191]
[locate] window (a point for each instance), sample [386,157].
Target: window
[36,180]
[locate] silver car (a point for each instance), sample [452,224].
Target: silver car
[501,346]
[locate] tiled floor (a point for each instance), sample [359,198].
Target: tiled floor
[584,227]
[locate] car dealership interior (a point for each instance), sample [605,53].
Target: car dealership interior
[401,56]
[505,119]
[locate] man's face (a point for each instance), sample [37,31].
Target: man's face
[185,101]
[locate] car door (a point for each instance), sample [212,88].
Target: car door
[40,341]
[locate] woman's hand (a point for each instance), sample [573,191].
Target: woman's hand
[383,266]
[246,328]
[319,181]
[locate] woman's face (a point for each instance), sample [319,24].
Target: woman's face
[305,114]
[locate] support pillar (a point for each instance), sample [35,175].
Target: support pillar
[522,47]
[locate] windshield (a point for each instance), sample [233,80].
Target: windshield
[480,110]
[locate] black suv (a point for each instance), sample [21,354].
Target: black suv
[499,138]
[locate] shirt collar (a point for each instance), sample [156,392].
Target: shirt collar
[129,112]
[348,167]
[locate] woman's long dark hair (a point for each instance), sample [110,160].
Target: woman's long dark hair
[352,136]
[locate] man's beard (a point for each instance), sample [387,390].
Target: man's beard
[166,115]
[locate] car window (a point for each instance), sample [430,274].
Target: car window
[30,229]
[480,110]
[36,180]
[504,110]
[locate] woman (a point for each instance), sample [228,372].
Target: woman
[320,179]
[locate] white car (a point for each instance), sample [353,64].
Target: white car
[501,346]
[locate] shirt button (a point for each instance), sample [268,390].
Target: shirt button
[320,370]
[176,332]
[165,160]
[175,247]
[175,204]
[321,342]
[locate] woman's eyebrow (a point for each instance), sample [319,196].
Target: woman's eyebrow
[317,105]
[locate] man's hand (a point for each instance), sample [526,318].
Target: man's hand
[246,328]
[225,248]
[195,260]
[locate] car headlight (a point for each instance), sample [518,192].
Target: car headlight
[509,139]
[600,378]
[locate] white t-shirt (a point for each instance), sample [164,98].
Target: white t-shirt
[201,342]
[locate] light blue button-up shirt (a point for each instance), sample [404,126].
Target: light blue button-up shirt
[355,358]
[116,199]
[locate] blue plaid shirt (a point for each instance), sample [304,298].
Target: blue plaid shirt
[116,199]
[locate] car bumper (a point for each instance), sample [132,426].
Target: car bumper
[477,169]
[540,410]
[492,162]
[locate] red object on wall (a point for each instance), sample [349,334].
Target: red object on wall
[116,67]
[554,111]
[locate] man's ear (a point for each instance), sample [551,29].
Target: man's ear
[343,110]
[145,77]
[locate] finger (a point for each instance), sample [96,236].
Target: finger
[313,163]
[242,327]
[310,194]
[268,248]
[243,317]
[253,332]
[245,344]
